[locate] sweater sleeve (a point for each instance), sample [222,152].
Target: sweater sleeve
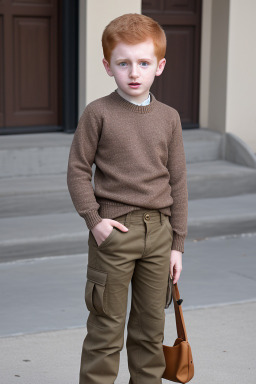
[178,182]
[79,172]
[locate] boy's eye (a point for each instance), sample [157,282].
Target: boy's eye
[144,63]
[123,64]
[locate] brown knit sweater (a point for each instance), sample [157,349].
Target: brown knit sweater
[140,162]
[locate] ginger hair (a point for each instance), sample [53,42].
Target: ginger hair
[133,28]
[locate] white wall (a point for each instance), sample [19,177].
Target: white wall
[241,81]
[98,14]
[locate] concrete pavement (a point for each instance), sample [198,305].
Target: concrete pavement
[43,315]
[48,293]
[222,341]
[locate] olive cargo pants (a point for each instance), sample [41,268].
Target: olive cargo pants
[142,256]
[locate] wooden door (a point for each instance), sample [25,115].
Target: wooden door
[178,86]
[29,76]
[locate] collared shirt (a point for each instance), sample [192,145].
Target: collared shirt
[145,102]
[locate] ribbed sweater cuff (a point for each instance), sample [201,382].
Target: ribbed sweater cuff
[178,242]
[92,218]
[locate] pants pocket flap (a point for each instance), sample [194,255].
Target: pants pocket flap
[98,277]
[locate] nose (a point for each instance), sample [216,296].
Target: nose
[134,72]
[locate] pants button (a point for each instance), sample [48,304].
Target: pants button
[147,217]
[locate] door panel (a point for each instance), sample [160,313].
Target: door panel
[30,62]
[178,86]
[180,5]
[40,2]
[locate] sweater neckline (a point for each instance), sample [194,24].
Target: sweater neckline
[133,107]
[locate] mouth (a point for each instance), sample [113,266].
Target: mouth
[134,85]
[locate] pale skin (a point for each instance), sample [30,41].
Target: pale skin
[134,68]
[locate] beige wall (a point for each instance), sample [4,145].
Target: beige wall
[241,81]
[218,65]
[92,76]
[205,62]
[228,62]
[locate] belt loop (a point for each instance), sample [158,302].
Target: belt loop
[161,218]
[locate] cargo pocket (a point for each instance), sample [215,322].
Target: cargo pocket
[94,291]
[168,292]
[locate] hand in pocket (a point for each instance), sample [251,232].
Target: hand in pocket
[103,229]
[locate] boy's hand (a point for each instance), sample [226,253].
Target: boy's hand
[103,229]
[175,265]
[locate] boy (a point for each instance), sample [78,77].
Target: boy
[137,215]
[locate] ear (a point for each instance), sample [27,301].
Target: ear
[107,67]
[160,67]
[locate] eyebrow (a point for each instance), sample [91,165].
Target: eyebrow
[142,59]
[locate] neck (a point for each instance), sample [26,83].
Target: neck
[137,100]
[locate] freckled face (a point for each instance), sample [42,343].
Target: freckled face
[134,68]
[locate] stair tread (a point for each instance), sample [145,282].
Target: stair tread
[51,183]
[66,225]
[33,184]
[35,140]
[222,208]
[202,134]
[59,139]
[40,228]
[218,167]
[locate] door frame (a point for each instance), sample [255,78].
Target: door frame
[67,73]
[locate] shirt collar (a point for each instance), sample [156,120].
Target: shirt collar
[145,102]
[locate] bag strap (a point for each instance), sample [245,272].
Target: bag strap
[180,323]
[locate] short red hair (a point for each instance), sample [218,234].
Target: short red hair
[133,28]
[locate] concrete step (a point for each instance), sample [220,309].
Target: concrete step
[34,184]
[47,153]
[45,194]
[219,178]
[222,216]
[66,233]
[34,195]
[36,204]
[202,145]
[34,154]
[42,235]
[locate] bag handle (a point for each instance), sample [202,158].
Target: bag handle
[180,323]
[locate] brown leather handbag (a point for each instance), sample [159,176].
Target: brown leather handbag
[178,358]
